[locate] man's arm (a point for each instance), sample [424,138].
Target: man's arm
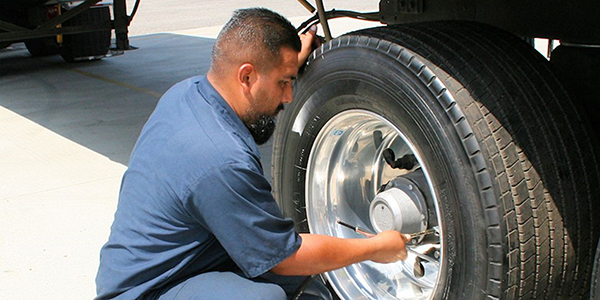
[321,253]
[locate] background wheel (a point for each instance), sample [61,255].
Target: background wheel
[91,45]
[505,168]
[42,46]
[595,290]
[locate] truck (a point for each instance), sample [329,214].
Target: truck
[445,122]
[77,30]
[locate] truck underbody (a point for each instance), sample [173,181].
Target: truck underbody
[573,22]
[87,26]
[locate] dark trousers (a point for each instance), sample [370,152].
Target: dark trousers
[232,286]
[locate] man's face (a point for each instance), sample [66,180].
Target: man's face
[270,93]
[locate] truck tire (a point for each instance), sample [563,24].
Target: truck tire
[90,45]
[42,46]
[595,289]
[494,156]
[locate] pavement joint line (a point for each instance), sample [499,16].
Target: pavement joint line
[59,188]
[112,81]
[117,82]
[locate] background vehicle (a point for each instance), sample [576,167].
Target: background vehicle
[448,119]
[78,30]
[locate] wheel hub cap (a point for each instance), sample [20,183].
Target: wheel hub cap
[401,207]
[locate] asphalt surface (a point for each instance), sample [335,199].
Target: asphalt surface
[68,130]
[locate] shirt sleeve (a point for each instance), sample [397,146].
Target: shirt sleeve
[234,203]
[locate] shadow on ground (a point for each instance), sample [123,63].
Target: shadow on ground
[102,105]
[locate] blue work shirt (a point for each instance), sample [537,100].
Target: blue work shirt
[193,197]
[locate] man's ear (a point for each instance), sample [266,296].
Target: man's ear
[246,76]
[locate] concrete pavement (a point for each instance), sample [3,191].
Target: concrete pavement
[68,130]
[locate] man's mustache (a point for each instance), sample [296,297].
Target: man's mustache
[279,108]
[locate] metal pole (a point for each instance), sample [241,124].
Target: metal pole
[307,5]
[11,27]
[323,19]
[121,24]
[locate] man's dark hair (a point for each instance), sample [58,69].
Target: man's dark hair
[254,35]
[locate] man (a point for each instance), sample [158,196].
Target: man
[196,218]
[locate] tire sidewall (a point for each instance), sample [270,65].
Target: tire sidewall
[382,86]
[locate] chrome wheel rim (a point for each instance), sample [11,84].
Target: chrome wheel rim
[344,173]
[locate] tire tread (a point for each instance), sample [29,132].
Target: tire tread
[516,87]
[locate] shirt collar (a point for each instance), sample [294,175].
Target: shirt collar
[212,96]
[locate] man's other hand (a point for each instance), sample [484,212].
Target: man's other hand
[307,39]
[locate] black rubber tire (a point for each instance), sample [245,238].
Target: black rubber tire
[516,167]
[91,45]
[595,288]
[42,46]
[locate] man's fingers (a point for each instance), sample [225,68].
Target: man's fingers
[307,40]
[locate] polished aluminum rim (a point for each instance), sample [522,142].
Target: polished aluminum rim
[344,172]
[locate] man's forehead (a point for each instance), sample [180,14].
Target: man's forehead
[289,59]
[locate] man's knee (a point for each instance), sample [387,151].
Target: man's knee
[265,291]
